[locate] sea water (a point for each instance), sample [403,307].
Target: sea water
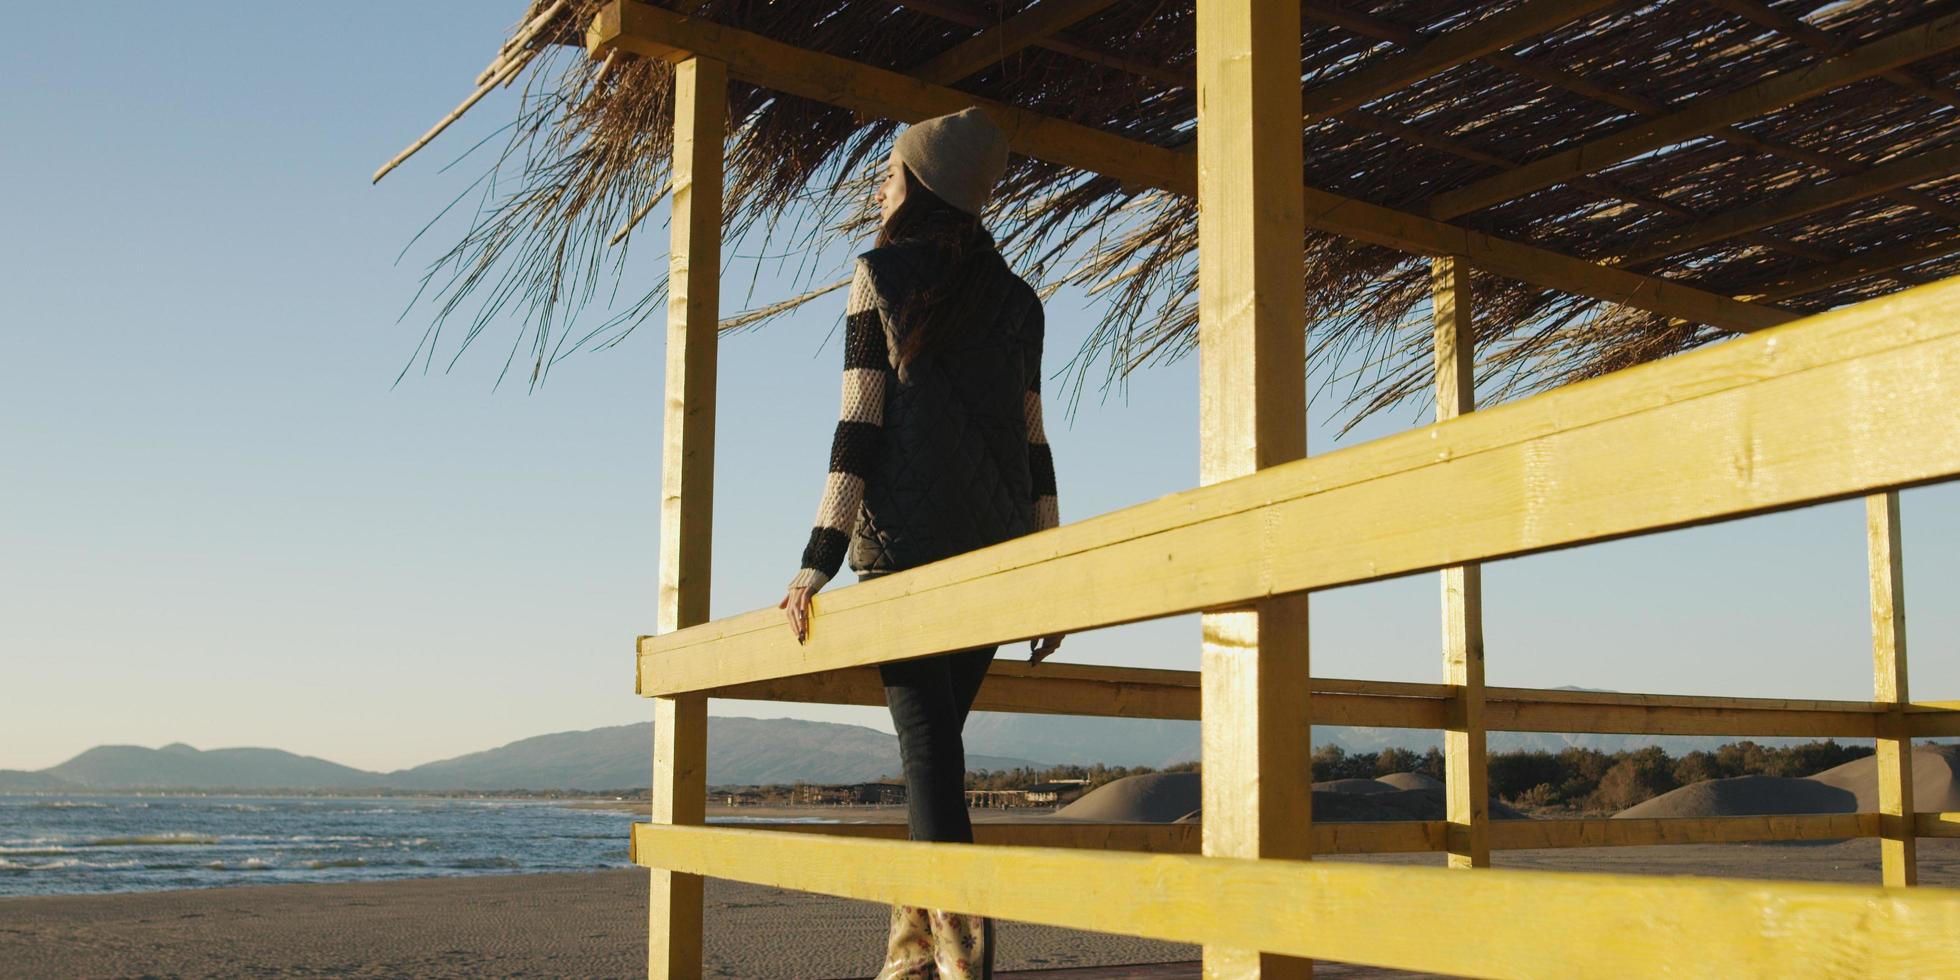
[52,845]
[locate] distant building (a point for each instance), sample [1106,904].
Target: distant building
[1055,791]
[881,793]
[995,799]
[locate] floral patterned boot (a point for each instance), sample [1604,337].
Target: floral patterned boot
[963,945]
[908,947]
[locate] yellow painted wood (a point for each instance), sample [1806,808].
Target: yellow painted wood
[1495,923]
[1521,22]
[1933,719]
[1173,838]
[650,31]
[1128,692]
[1898,848]
[680,723]
[680,768]
[1937,824]
[1252,413]
[1360,837]
[1634,832]
[1549,696]
[1011,686]
[1847,402]
[996,43]
[1706,114]
[1465,758]
[1417,836]
[1534,716]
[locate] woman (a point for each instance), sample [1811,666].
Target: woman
[939,450]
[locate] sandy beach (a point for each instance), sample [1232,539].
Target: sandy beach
[592,924]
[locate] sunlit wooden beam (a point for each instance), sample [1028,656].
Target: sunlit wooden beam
[1852,401]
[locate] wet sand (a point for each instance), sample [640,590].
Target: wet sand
[592,924]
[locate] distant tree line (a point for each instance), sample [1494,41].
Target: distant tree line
[1587,779]
[1022,777]
[1574,778]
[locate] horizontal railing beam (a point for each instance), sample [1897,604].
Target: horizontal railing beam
[1104,691]
[1936,824]
[1357,837]
[1415,836]
[1707,435]
[1934,719]
[1638,719]
[1514,835]
[1493,923]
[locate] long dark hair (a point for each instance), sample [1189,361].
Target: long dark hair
[966,249]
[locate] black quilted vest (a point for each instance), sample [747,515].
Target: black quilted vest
[953,473]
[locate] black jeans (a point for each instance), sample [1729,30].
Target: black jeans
[929,699]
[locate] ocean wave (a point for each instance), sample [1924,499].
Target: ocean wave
[64,864]
[249,864]
[152,840]
[337,863]
[67,805]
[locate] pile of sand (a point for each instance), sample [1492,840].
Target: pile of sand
[1158,797]
[1411,780]
[1364,787]
[1173,797]
[1745,795]
[1849,788]
[1935,779]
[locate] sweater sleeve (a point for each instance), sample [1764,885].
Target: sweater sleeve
[1041,462]
[859,437]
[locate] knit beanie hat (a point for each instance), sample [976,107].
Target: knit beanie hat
[958,157]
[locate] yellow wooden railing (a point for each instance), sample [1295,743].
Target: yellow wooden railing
[1852,402]
[1857,402]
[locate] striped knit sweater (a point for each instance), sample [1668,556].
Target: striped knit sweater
[859,438]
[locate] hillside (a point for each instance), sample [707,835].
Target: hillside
[179,766]
[21,780]
[740,750]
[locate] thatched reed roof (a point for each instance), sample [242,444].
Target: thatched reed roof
[1796,203]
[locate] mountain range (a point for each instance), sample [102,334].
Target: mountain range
[740,751]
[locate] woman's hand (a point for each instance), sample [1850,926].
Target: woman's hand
[797,605]
[1039,649]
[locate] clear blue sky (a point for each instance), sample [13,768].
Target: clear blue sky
[220,524]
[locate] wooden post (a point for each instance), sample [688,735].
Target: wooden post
[1897,843]
[1253,695]
[680,724]
[1463,587]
